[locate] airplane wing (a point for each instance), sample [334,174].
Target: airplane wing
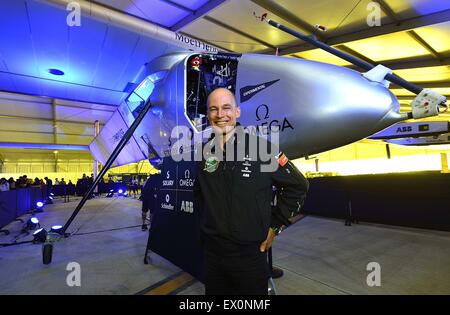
[422,141]
[413,129]
[416,133]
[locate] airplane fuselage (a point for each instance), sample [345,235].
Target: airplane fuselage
[314,106]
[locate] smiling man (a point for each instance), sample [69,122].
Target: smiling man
[234,198]
[223,113]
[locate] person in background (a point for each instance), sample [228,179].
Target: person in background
[62,182]
[83,185]
[141,184]
[133,186]
[36,182]
[12,183]
[23,181]
[91,180]
[71,188]
[27,181]
[101,186]
[43,186]
[4,185]
[19,182]
[56,181]
[49,186]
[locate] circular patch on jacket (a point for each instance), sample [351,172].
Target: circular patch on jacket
[211,164]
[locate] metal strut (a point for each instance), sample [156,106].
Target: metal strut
[108,163]
[355,61]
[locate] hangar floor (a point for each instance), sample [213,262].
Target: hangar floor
[318,256]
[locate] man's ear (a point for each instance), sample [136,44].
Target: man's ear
[238,112]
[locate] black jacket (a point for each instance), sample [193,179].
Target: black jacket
[235,199]
[148,193]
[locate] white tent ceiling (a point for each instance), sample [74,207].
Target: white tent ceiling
[100,60]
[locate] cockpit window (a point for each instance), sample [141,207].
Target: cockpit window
[204,73]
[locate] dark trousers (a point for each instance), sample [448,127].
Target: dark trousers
[240,270]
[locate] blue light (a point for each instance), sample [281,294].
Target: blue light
[120,191]
[39,204]
[40,236]
[31,224]
[38,231]
[155,161]
[429,7]
[191,4]
[56,229]
[56,72]
[44,146]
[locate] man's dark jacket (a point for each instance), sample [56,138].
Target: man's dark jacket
[235,199]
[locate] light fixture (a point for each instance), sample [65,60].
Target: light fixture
[40,236]
[56,72]
[39,207]
[120,191]
[56,229]
[32,223]
[110,194]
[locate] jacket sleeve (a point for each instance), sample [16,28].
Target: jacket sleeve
[197,191]
[292,187]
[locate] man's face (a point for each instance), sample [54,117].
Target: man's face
[223,111]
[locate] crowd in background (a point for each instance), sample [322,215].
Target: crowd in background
[61,187]
[25,182]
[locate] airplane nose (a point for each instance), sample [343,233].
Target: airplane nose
[363,105]
[392,115]
[323,106]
